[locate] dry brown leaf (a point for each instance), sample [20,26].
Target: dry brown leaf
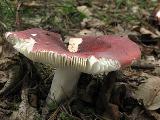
[92,22]
[25,111]
[146,31]
[84,9]
[149,92]
[155,114]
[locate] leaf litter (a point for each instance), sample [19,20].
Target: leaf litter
[135,94]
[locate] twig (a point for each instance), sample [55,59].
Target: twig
[18,19]
[142,66]
[54,115]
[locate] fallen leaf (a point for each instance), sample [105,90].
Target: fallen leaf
[84,9]
[25,111]
[92,23]
[157,71]
[155,16]
[135,9]
[150,58]
[148,32]
[149,92]
[155,114]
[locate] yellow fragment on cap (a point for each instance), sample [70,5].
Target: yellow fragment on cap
[34,35]
[25,45]
[7,34]
[158,14]
[74,43]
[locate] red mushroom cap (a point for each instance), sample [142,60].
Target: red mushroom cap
[93,54]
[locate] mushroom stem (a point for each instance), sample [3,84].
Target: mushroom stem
[63,84]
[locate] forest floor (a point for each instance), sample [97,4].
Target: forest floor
[24,85]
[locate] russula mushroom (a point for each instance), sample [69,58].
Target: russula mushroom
[89,54]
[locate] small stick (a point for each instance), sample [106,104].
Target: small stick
[18,20]
[143,66]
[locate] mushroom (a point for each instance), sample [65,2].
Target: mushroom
[88,54]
